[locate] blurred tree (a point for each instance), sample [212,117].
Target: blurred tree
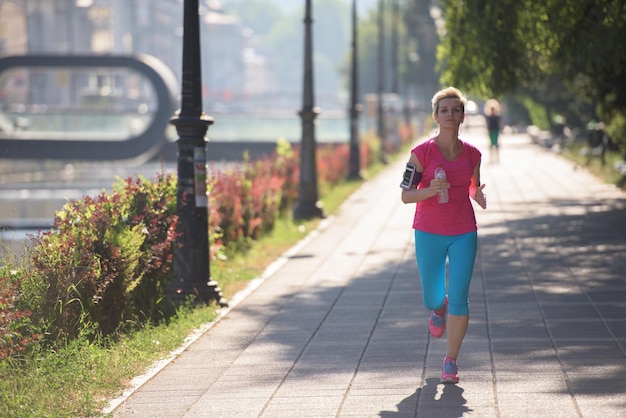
[564,53]
[420,60]
[258,15]
[282,40]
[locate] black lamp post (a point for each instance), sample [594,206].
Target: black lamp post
[395,7]
[395,89]
[192,274]
[380,113]
[307,205]
[354,165]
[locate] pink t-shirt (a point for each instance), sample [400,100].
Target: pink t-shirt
[457,216]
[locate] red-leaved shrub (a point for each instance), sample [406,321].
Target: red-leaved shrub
[16,334]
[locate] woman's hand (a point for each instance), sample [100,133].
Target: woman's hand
[480,197]
[437,186]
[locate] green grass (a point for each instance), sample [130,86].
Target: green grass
[78,380]
[83,377]
[606,172]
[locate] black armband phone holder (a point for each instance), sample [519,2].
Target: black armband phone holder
[411,177]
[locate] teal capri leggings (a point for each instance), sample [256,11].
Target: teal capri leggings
[431,251]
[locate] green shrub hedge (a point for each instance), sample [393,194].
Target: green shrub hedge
[105,266]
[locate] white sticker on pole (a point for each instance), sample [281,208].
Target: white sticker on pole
[199,171]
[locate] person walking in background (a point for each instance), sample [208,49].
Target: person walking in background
[446,231]
[494,125]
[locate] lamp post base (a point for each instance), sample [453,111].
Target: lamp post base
[307,210]
[206,293]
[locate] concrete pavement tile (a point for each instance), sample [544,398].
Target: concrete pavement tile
[387,373]
[306,407]
[377,405]
[536,405]
[468,411]
[403,313]
[525,368]
[580,327]
[476,392]
[221,410]
[517,328]
[597,278]
[311,402]
[605,406]
[244,388]
[160,401]
[303,392]
[272,350]
[198,358]
[437,399]
[152,411]
[569,311]
[392,349]
[295,339]
[593,365]
[180,381]
[530,383]
[514,310]
[546,298]
[515,299]
[468,364]
[375,369]
[322,356]
[334,339]
[608,295]
[617,327]
[211,364]
[407,303]
[609,385]
[384,357]
[601,380]
[536,348]
[475,345]
[588,349]
[382,414]
[256,375]
[383,381]
[474,331]
[467,376]
[613,309]
[354,309]
[365,390]
[327,380]
[402,332]
[306,370]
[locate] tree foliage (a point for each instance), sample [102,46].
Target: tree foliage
[281,40]
[556,47]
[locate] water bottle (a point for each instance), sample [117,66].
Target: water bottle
[442,196]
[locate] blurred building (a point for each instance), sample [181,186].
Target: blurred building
[232,71]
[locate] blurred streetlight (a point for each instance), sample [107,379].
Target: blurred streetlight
[192,274]
[354,172]
[395,13]
[307,206]
[380,113]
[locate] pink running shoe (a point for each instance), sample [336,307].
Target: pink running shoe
[437,323]
[449,371]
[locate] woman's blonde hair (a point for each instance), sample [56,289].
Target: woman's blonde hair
[448,93]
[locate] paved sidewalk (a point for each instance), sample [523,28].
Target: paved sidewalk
[339,330]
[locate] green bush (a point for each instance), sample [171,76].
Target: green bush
[105,266]
[245,200]
[106,263]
